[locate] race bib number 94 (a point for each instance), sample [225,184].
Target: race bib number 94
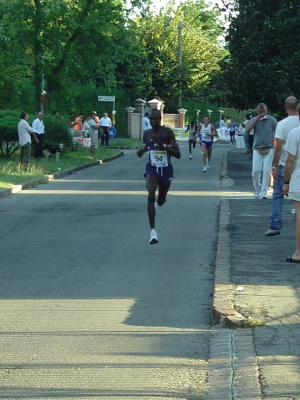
[159,158]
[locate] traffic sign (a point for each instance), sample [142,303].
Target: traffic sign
[106,98]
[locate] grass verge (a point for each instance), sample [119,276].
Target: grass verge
[11,174]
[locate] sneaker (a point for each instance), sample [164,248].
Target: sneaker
[264,195]
[191,157]
[153,237]
[256,195]
[272,232]
[207,163]
[204,169]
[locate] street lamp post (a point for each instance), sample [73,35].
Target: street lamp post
[198,112]
[179,62]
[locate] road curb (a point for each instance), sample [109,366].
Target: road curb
[225,178]
[35,182]
[223,311]
[233,372]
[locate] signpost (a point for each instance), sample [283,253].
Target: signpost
[106,98]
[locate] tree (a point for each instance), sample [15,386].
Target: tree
[264,53]
[201,49]
[66,42]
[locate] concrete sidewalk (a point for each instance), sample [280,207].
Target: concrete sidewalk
[256,287]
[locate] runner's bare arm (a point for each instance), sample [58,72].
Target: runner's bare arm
[215,133]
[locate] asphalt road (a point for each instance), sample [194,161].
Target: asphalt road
[88,308]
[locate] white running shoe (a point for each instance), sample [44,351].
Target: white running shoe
[191,157]
[256,195]
[204,169]
[153,237]
[264,195]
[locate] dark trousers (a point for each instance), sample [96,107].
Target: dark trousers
[105,135]
[38,148]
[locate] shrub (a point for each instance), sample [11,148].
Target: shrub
[9,132]
[57,131]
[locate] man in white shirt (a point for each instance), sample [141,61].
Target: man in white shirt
[105,123]
[284,127]
[24,131]
[291,187]
[39,131]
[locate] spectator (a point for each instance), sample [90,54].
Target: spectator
[39,131]
[93,133]
[105,123]
[263,149]
[222,123]
[146,126]
[284,127]
[248,137]
[24,131]
[291,187]
[97,119]
[78,124]
[86,127]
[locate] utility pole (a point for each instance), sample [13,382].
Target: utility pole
[179,62]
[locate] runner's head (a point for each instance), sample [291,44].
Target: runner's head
[154,117]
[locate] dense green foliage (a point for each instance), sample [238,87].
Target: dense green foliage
[8,132]
[264,52]
[68,49]
[190,72]
[57,131]
[62,47]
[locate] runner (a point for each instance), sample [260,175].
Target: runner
[161,145]
[207,132]
[192,129]
[232,129]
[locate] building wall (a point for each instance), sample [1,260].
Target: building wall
[136,127]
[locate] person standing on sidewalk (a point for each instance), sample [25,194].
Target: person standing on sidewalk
[264,127]
[248,137]
[39,131]
[207,131]
[291,187]
[93,133]
[105,124]
[161,145]
[24,131]
[284,127]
